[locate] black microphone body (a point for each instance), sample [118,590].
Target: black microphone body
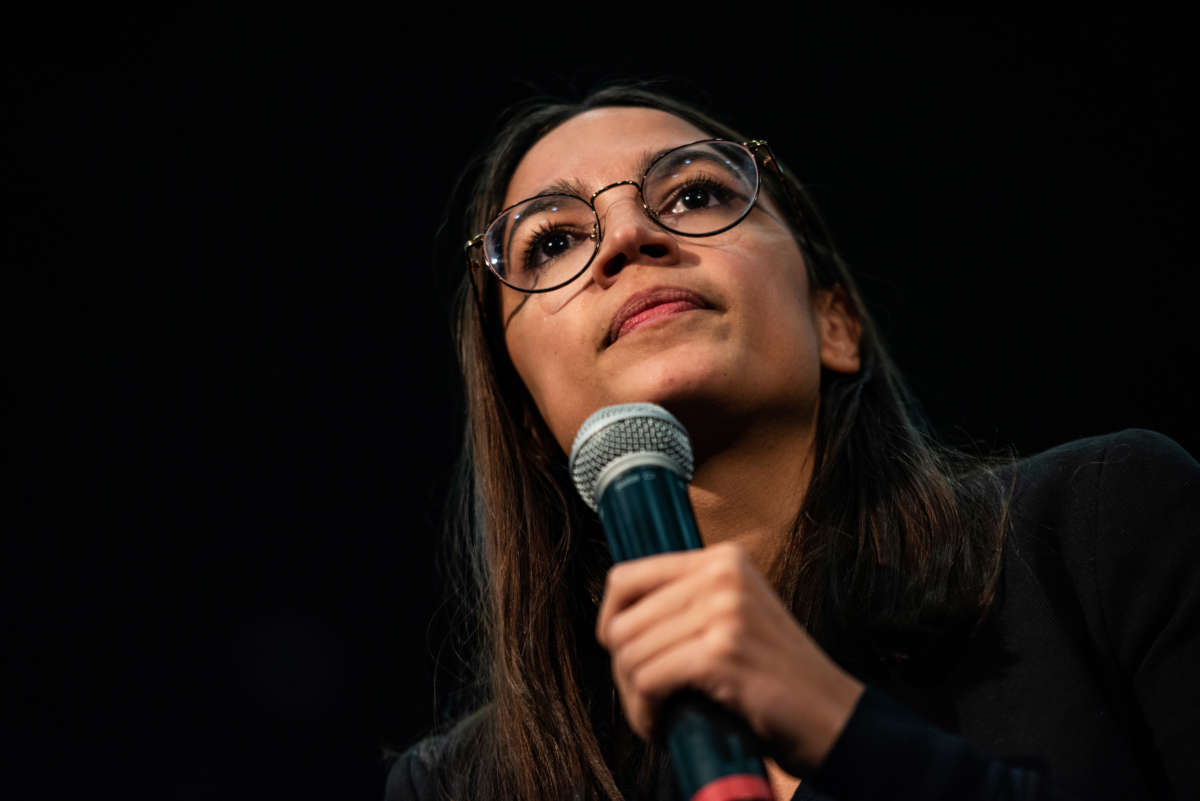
[636,479]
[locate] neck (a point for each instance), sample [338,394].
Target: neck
[750,489]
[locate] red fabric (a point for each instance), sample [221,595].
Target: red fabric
[738,787]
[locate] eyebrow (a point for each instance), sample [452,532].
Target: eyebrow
[574,186]
[686,155]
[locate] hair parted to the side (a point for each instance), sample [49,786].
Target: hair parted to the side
[895,549]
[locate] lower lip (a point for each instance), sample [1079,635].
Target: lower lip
[655,313]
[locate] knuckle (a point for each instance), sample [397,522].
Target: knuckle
[732,553]
[730,604]
[729,566]
[723,641]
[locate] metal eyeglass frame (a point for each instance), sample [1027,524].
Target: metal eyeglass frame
[758,149]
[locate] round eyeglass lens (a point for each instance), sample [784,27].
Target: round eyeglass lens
[541,243]
[695,190]
[701,189]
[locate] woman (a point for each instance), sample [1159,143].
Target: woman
[887,616]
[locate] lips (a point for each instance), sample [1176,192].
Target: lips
[650,305]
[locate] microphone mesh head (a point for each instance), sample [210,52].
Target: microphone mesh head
[626,428]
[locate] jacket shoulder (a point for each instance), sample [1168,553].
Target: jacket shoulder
[425,770]
[1106,477]
[412,775]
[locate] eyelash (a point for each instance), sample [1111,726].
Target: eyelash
[719,190]
[539,236]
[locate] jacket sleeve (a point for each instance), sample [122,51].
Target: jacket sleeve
[886,752]
[1147,582]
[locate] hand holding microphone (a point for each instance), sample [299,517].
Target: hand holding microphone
[700,641]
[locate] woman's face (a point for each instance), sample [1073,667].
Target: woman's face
[723,327]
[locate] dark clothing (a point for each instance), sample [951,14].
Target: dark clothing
[1085,681]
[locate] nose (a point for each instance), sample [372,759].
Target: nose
[629,236]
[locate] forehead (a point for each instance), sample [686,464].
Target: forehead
[598,147]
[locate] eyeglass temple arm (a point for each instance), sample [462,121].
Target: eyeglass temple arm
[768,158]
[797,201]
[471,268]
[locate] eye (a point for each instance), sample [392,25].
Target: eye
[553,244]
[695,195]
[549,243]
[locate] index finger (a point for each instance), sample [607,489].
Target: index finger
[629,581]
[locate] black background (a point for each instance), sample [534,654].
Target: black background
[230,388]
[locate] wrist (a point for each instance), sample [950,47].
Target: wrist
[825,718]
[840,699]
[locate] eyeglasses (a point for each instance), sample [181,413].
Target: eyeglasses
[698,189]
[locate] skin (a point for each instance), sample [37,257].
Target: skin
[743,375]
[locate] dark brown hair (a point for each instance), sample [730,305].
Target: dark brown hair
[895,548]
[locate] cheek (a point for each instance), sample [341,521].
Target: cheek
[773,280]
[528,353]
[551,360]
[781,322]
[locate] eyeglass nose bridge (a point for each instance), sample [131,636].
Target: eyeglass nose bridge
[601,190]
[592,202]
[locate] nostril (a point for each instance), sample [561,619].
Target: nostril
[654,251]
[615,264]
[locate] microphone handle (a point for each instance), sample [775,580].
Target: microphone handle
[716,756]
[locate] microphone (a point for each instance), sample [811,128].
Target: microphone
[631,463]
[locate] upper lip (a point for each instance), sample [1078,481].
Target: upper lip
[640,301]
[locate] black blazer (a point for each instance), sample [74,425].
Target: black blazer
[1085,682]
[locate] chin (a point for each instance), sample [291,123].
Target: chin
[680,379]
